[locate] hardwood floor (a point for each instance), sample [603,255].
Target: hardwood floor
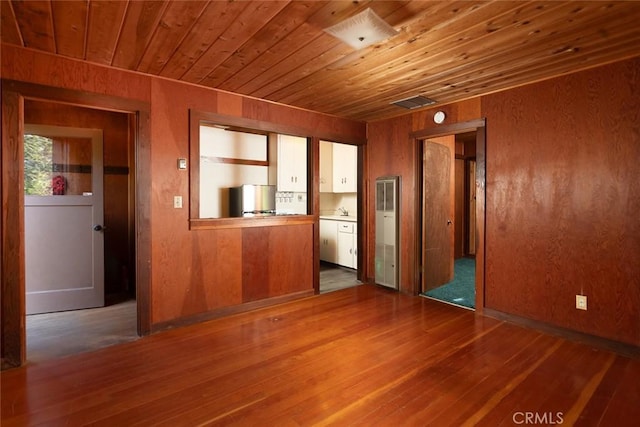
[358,356]
[54,335]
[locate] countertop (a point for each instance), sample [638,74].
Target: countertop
[339,218]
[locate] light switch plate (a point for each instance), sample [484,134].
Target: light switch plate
[581,302]
[177,202]
[182,164]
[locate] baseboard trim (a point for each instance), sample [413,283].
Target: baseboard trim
[623,349]
[227,311]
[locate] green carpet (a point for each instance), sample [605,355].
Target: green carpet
[462,289]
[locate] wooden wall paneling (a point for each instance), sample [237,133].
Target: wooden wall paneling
[172,100]
[194,163]
[276,261]
[223,281]
[256,266]
[12,298]
[174,250]
[297,121]
[290,259]
[395,158]
[86,83]
[144,283]
[213,276]
[460,112]
[561,194]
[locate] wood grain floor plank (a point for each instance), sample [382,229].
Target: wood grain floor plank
[358,356]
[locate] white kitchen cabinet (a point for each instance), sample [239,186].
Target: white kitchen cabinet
[326,167]
[292,163]
[347,244]
[345,168]
[329,241]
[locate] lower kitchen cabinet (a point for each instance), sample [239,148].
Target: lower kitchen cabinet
[347,244]
[329,240]
[338,242]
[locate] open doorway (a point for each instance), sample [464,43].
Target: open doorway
[449,198]
[12,294]
[338,203]
[451,219]
[78,298]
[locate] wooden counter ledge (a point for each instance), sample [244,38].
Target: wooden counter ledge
[262,221]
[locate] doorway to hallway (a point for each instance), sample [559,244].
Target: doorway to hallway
[450,198]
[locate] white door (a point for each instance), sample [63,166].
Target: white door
[64,241]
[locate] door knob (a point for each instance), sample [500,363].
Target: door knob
[98,227]
[449,222]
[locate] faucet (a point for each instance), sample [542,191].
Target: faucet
[343,211]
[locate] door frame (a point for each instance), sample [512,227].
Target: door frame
[417,137]
[12,253]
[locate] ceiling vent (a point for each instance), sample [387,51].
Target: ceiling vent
[362,30]
[414,102]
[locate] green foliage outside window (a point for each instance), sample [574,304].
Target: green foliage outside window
[38,162]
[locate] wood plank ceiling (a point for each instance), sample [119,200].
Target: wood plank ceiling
[278,50]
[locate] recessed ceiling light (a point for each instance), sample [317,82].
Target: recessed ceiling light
[362,30]
[414,102]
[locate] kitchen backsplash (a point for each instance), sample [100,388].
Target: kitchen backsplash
[291,202]
[331,202]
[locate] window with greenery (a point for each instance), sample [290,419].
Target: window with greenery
[38,167]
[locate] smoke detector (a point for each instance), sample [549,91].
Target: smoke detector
[362,30]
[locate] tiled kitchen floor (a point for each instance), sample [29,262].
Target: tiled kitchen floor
[333,277]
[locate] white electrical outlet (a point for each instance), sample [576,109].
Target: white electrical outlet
[581,302]
[177,202]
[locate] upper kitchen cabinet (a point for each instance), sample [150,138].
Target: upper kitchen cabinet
[292,163]
[345,168]
[326,167]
